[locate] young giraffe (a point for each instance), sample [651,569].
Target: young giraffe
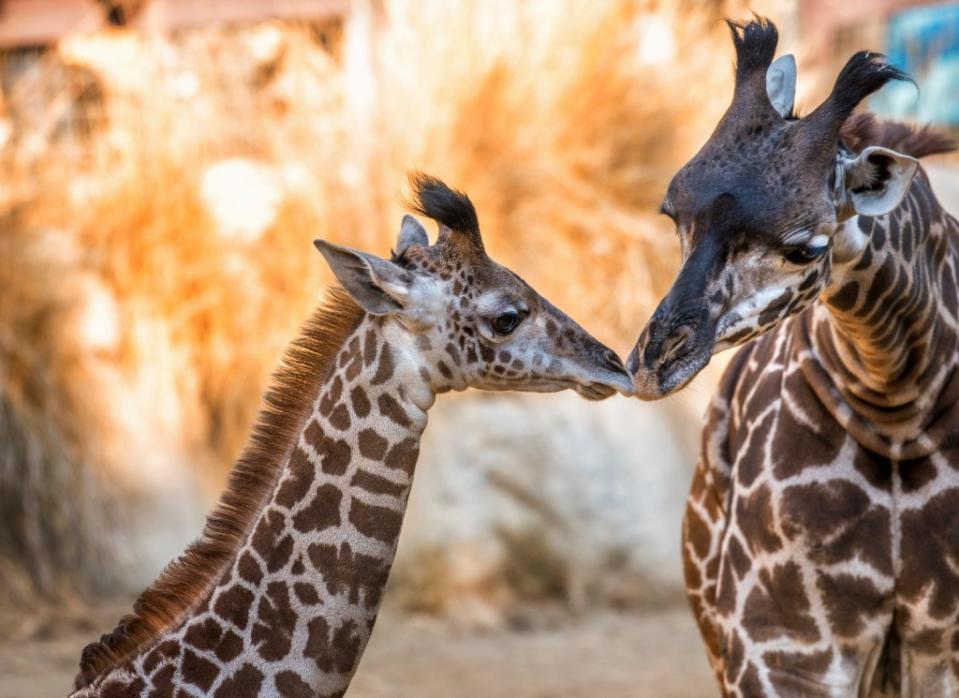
[279,595]
[821,536]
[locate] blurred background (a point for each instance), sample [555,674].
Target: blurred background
[166,165]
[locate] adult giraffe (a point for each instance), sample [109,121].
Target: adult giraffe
[279,595]
[821,536]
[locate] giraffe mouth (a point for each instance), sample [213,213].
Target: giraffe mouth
[611,379]
[587,389]
[595,391]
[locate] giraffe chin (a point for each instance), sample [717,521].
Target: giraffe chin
[595,391]
[599,390]
[605,384]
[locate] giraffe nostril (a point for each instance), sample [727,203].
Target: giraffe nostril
[612,361]
[674,345]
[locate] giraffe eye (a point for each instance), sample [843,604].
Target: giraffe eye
[804,254]
[507,322]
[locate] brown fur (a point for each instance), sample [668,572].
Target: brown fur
[864,129]
[305,366]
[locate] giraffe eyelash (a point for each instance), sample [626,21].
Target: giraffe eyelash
[797,235]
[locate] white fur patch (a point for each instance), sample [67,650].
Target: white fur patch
[745,312]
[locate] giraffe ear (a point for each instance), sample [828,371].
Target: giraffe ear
[377,285]
[411,233]
[877,180]
[781,84]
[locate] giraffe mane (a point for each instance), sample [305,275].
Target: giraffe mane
[864,129]
[306,363]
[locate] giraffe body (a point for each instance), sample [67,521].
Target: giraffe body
[279,596]
[815,566]
[819,543]
[821,535]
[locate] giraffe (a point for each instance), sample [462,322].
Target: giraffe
[279,595]
[821,533]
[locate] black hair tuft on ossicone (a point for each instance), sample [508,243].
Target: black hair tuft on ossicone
[433,199]
[755,44]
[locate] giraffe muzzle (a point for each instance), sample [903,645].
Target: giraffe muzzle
[669,355]
[583,363]
[611,379]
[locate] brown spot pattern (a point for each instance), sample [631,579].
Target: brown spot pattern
[322,513]
[198,671]
[290,685]
[391,409]
[272,634]
[343,571]
[336,651]
[376,521]
[234,605]
[245,682]
[402,456]
[371,444]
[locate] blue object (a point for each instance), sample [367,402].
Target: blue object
[924,41]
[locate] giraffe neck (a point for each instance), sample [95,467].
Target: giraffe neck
[298,602]
[885,334]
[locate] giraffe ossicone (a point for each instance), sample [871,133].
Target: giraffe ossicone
[279,595]
[821,536]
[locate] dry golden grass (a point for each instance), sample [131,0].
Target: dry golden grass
[562,121]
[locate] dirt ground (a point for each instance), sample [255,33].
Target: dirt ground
[614,655]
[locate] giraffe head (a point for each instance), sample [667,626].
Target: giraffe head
[759,210]
[470,322]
